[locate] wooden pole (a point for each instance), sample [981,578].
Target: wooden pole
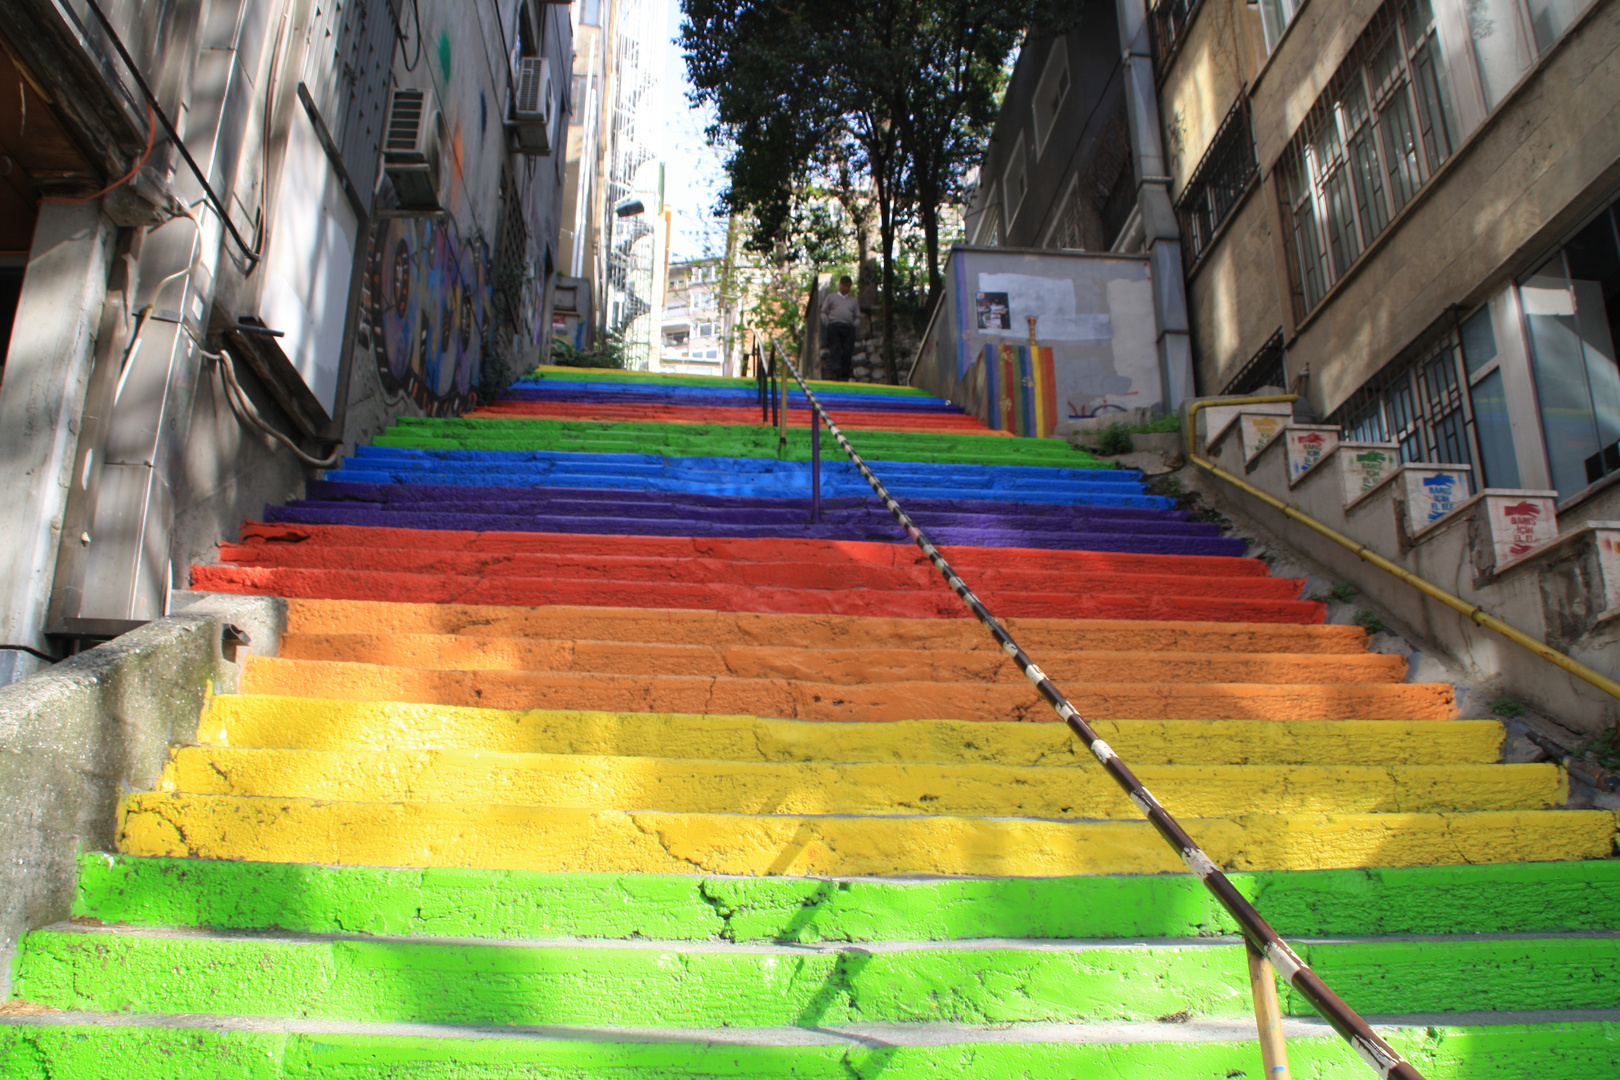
[1268,1016]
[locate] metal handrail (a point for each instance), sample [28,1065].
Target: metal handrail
[1266,948]
[1473,611]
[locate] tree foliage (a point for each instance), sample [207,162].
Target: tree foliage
[893,98]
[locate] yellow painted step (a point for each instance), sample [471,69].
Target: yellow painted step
[522,838]
[593,782]
[844,666]
[316,724]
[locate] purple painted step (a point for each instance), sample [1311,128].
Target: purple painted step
[739,509]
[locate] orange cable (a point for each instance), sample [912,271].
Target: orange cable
[151,140]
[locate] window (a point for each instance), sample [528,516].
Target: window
[1169,26]
[1275,15]
[1050,92]
[1219,181]
[1265,368]
[1571,306]
[989,231]
[1015,181]
[1441,400]
[1372,139]
[705,330]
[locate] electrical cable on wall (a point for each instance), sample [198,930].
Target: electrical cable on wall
[249,416]
[140,163]
[251,254]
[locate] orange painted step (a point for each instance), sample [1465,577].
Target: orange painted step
[637,625]
[841,666]
[933,603]
[849,419]
[868,701]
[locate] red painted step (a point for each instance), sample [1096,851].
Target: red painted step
[937,603]
[851,419]
[769,549]
[772,575]
[694,569]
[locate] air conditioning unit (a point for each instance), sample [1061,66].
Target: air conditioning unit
[532,106]
[413,149]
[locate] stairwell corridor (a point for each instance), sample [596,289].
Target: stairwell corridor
[586,753]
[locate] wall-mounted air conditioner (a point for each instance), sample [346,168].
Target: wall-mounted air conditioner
[532,106]
[413,150]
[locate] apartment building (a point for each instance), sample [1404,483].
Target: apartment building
[1405,210]
[239,237]
[697,322]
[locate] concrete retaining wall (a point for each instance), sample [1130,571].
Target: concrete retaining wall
[78,736]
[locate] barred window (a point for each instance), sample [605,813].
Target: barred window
[1219,182]
[1421,402]
[1169,26]
[1264,368]
[1374,137]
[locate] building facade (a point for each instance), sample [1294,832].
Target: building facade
[696,322]
[1406,212]
[1076,163]
[241,236]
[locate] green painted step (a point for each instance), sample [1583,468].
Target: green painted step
[722,440]
[1552,1051]
[710,381]
[1506,898]
[728,985]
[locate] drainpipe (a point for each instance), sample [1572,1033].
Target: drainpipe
[1161,237]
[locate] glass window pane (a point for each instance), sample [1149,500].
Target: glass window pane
[1494,27]
[1400,147]
[1550,18]
[1491,425]
[1478,340]
[1567,418]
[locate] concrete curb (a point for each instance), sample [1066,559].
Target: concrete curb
[75,738]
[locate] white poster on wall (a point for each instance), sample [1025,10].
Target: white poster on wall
[312,239]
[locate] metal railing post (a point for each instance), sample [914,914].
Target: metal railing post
[1258,934]
[815,468]
[1267,1014]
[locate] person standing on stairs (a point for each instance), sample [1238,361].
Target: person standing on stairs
[840,315]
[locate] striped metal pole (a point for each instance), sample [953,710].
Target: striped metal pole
[1378,1054]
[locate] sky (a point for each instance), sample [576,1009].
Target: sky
[693,174]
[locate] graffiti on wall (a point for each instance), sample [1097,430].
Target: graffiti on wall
[427,305]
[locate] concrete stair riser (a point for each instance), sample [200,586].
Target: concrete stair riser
[713,985]
[497,837]
[1529,1051]
[835,666]
[250,720]
[874,702]
[685,786]
[1525,898]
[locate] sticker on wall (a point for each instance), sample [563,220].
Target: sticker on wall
[994,313]
[1257,432]
[1307,448]
[1020,387]
[1520,523]
[1433,492]
[1364,466]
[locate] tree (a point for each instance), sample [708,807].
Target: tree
[896,93]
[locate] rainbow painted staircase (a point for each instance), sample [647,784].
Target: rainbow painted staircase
[588,755]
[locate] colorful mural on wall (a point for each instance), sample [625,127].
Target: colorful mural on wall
[1019,383]
[426,307]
